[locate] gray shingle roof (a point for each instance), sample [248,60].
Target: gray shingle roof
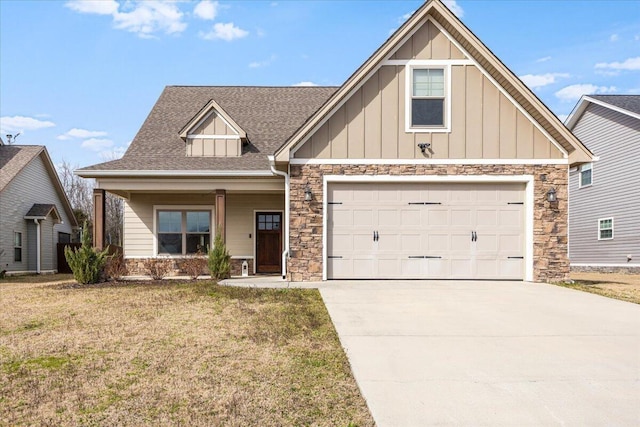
[269,115]
[13,158]
[627,102]
[42,210]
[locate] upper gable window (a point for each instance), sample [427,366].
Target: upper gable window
[428,95]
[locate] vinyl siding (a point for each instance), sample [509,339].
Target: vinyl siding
[15,201]
[138,219]
[615,193]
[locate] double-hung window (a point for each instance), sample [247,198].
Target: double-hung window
[183,232]
[605,229]
[17,246]
[428,98]
[586,174]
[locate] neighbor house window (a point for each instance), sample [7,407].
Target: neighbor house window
[428,97]
[586,174]
[17,247]
[64,237]
[183,232]
[605,229]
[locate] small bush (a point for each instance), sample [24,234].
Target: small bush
[194,266]
[157,268]
[219,259]
[115,267]
[85,262]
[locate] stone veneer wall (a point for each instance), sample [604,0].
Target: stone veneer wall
[631,269]
[551,261]
[135,266]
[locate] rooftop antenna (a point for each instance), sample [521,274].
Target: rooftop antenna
[12,138]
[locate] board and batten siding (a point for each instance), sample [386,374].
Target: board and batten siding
[615,192]
[212,147]
[138,219]
[32,185]
[485,124]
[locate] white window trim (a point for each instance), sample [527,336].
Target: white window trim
[21,246]
[181,208]
[600,229]
[529,203]
[408,95]
[580,175]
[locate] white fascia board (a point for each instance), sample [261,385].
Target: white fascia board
[194,136]
[295,161]
[171,173]
[584,103]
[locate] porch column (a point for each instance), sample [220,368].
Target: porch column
[99,225]
[221,213]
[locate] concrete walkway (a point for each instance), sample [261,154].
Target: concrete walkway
[489,353]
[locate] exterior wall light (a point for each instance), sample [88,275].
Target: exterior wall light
[551,195]
[308,195]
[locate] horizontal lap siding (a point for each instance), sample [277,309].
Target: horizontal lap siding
[240,219]
[615,139]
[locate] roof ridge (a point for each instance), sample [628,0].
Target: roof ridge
[257,86]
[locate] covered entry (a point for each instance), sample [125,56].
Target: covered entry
[425,230]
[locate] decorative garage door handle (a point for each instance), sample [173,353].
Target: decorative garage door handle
[424,257]
[474,236]
[375,236]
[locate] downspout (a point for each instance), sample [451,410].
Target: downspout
[287,195]
[37,246]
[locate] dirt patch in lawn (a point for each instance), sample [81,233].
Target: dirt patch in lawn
[171,353]
[625,287]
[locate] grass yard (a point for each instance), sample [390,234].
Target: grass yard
[174,353]
[625,287]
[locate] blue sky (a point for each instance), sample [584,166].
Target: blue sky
[81,76]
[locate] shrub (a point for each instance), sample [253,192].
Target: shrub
[85,262]
[115,267]
[157,268]
[194,266]
[219,259]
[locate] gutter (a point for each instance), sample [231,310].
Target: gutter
[171,173]
[287,196]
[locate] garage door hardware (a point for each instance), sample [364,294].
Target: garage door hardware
[376,236]
[424,257]
[425,203]
[334,203]
[334,256]
[515,257]
[515,203]
[474,236]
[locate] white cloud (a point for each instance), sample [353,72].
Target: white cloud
[574,92]
[540,80]
[227,32]
[543,59]
[632,64]
[143,18]
[265,63]
[614,38]
[454,7]
[306,84]
[206,10]
[149,17]
[21,124]
[98,7]
[80,133]
[97,144]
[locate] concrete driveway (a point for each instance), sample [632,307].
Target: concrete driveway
[489,353]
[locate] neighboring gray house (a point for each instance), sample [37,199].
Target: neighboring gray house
[35,213]
[604,201]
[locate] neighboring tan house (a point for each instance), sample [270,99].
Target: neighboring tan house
[604,203]
[432,161]
[35,213]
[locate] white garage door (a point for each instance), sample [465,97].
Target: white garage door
[425,231]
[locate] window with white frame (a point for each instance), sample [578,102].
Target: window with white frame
[605,229]
[586,174]
[428,97]
[183,232]
[17,246]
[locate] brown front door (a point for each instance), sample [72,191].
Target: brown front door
[268,242]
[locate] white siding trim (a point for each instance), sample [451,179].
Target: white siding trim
[156,208]
[171,173]
[429,161]
[529,203]
[500,88]
[427,62]
[213,136]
